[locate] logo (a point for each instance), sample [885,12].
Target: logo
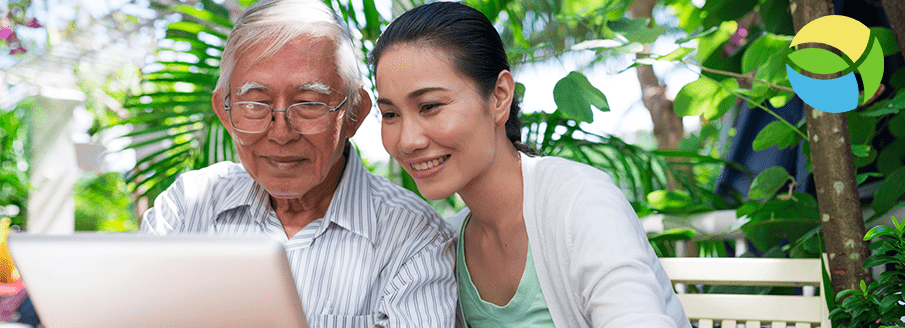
[861,54]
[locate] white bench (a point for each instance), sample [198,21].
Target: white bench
[751,310]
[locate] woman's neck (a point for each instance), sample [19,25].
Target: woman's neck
[495,197]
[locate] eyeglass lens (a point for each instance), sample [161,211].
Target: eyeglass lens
[305,118]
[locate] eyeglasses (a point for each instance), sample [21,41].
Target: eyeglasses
[307,117]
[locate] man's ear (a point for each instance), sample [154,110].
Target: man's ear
[217,104]
[359,113]
[501,98]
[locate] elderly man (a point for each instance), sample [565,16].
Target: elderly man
[364,251]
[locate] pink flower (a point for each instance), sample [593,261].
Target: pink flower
[5,32]
[18,51]
[34,23]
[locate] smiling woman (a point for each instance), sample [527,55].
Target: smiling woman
[546,241]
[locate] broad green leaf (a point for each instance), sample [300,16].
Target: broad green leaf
[203,14]
[677,54]
[766,56]
[372,20]
[768,182]
[888,302]
[690,17]
[703,97]
[192,27]
[519,91]
[711,43]
[897,80]
[774,134]
[780,219]
[887,40]
[669,200]
[574,95]
[890,192]
[891,157]
[780,17]
[673,235]
[718,11]
[861,150]
[781,99]
[636,30]
[890,106]
[820,61]
[860,178]
[698,33]
[878,259]
[880,230]
[861,128]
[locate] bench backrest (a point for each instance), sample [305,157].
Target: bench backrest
[752,310]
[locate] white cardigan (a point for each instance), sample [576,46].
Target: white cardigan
[594,263]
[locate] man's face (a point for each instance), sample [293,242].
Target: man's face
[288,164]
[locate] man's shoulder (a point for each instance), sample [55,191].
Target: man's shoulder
[217,174]
[407,208]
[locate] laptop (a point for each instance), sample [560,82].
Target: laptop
[130,280]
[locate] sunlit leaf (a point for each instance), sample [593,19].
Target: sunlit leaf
[574,95]
[776,134]
[703,97]
[677,54]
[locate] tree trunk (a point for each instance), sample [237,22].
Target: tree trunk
[895,14]
[668,128]
[834,175]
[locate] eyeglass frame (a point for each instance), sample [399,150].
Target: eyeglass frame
[228,109]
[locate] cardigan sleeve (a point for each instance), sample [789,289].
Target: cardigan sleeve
[613,269]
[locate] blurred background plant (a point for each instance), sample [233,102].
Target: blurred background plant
[147,70]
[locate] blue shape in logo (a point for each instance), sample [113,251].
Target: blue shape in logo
[832,96]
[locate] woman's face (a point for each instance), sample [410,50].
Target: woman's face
[435,122]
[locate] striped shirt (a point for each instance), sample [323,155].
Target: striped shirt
[380,257]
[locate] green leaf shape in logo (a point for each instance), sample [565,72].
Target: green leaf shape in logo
[820,61]
[871,70]
[574,96]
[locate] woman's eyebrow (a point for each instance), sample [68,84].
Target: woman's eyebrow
[412,95]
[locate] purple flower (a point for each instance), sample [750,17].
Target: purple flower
[34,23]
[17,51]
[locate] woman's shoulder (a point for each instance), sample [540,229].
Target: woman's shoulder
[562,170]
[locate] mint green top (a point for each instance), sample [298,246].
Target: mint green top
[526,309]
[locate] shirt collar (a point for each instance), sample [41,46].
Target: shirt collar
[350,207]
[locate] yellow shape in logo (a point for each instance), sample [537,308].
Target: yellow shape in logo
[843,33]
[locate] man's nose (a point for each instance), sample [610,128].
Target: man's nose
[281,130]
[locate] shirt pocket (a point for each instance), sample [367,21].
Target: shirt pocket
[342,321]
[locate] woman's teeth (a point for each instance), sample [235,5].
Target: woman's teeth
[428,164]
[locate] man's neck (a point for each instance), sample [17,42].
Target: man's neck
[296,213]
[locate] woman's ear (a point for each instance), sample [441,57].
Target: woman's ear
[502,96]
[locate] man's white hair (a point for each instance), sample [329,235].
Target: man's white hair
[270,24]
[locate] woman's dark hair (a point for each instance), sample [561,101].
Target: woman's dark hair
[471,42]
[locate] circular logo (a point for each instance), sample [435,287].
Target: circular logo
[861,54]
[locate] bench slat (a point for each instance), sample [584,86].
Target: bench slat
[752,307]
